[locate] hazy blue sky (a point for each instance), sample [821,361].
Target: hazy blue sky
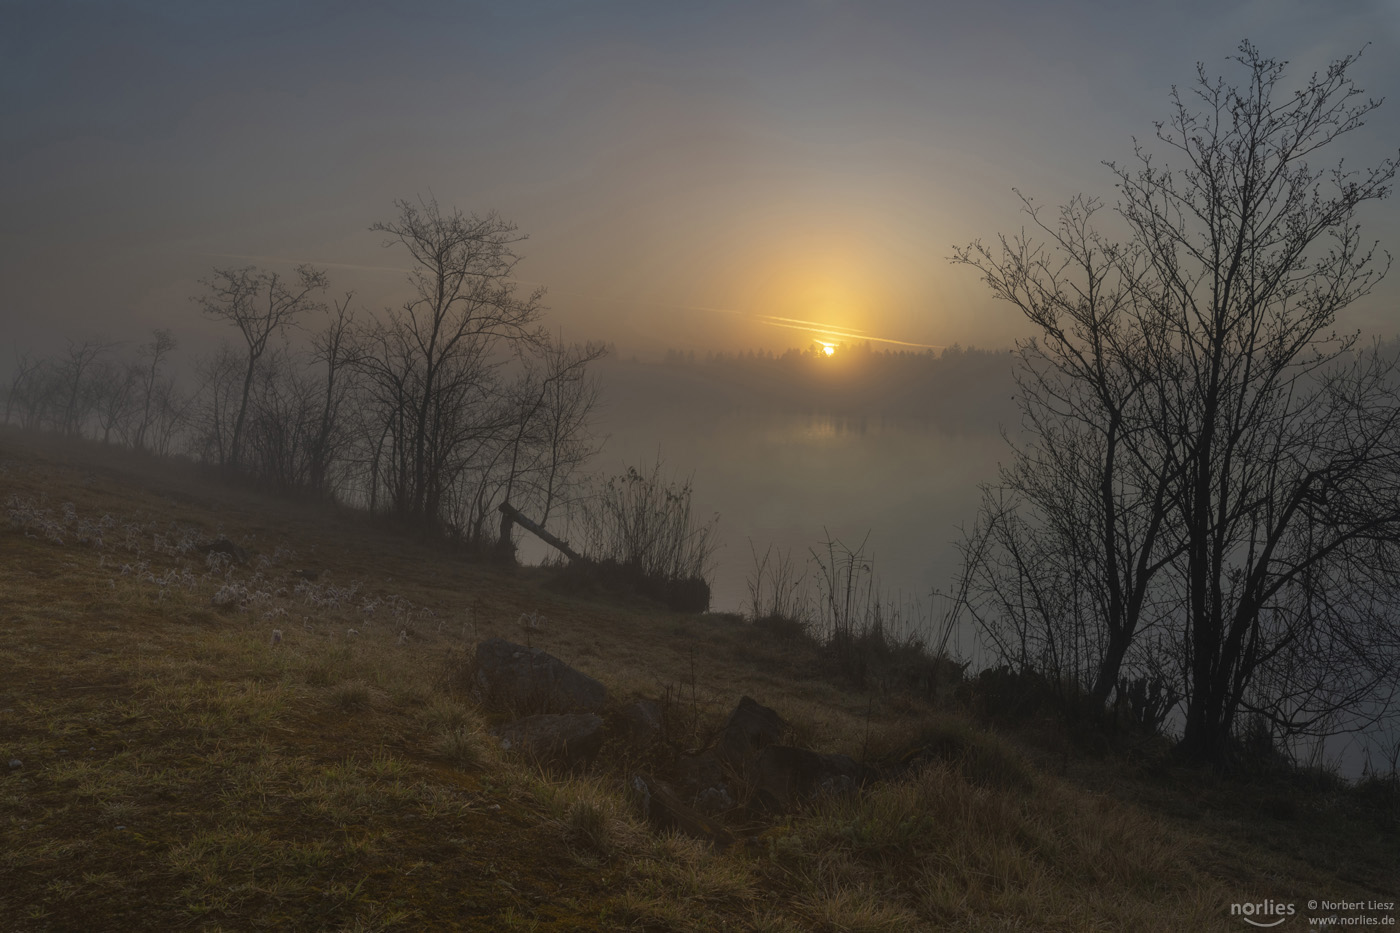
[680,168]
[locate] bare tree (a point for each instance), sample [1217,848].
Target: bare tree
[113,393]
[1070,585]
[74,382]
[1190,390]
[542,438]
[568,398]
[172,413]
[153,355]
[216,402]
[259,304]
[433,360]
[22,398]
[554,399]
[275,430]
[336,348]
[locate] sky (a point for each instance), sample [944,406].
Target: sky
[694,175]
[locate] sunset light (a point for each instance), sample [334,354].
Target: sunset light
[786,464]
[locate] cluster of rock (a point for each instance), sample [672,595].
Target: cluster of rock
[748,769]
[563,728]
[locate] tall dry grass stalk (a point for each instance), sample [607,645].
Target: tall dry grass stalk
[644,521]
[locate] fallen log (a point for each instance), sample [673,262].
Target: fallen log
[510,515]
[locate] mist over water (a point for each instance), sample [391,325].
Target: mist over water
[790,480]
[782,477]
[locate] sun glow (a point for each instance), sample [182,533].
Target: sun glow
[828,349]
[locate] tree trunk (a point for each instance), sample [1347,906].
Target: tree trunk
[233,450]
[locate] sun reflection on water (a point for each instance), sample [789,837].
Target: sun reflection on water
[823,429]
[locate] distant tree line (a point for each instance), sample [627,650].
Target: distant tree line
[970,388]
[88,390]
[433,412]
[860,354]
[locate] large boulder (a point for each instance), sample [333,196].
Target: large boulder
[663,808]
[782,775]
[530,680]
[696,774]
[642,723]
[750,728]
[559,740]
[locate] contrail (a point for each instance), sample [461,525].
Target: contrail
[780,321]
[826,330]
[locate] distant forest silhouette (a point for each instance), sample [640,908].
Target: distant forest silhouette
[964,389]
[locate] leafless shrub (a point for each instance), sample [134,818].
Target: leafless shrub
[645,524]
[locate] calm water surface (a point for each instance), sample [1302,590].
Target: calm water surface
[790,480]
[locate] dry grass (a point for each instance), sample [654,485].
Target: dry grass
[182,768]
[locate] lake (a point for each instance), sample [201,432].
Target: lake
[789,479]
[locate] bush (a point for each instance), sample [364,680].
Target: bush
[1005,696]
[640,529]
[871,642]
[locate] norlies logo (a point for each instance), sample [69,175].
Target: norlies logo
[1269,913]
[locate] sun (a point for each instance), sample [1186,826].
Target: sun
[829,349]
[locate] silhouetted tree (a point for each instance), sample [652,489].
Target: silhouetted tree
[432,364]
[259,304]
[1079,518]
[113,387]
[217,398]
[1203,445]
[153,357]
[534,462]
[74,385]
[281,425]
[567,399]
[335,347]
[23,400]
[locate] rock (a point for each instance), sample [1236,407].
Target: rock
[751,727]
[563,740]
[664,809]
[713,800]
[528,679]
[699,773]
[704,779]
[782,775]
[642,723]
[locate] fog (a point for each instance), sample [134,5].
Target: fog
[686,175]
[850,449]
[717,194]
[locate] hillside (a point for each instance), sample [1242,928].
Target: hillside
[282,735]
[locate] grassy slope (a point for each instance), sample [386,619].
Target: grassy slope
[179,770]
